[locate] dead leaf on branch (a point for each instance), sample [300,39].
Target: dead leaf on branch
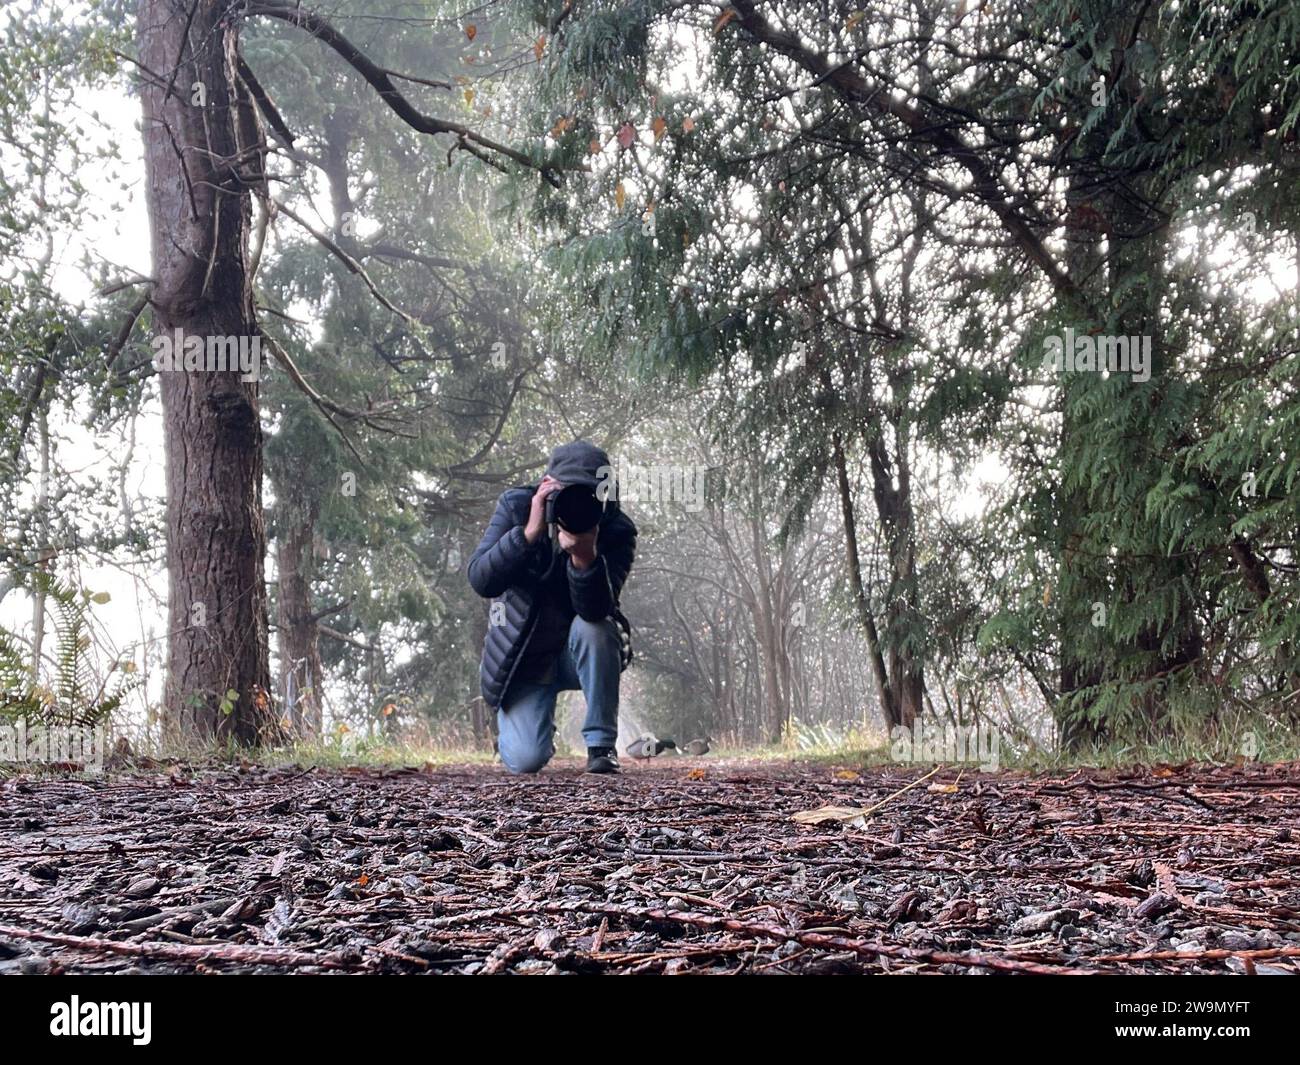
[849,815]
[852,815]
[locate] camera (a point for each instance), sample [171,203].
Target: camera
[575,508]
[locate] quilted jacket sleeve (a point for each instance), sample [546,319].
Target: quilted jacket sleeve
[595,590]
[503,557]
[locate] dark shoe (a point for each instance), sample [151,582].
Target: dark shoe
[602,760]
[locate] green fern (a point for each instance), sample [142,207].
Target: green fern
[77,697]
[18,698]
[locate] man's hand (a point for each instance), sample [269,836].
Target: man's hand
[581,547]
[536,527]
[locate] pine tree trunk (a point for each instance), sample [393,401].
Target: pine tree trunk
[199,164]
[1075,584]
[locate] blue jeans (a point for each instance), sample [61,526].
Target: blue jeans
[589,663]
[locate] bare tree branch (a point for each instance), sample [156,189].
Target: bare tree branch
[985,183]
[380,79]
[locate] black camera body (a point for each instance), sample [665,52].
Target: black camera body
[574,508]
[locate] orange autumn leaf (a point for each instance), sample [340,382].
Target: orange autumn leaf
[594,146]
[846,774]
[363,880]
[723,19]
[388,709]
[540,47]
[696,774]
[688,125]
[660,125]
[564,123]
[620,196]
[471,31]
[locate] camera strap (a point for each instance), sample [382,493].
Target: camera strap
[552,538]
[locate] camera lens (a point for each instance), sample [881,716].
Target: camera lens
[575,508]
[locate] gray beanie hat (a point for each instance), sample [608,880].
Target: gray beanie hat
[579,463]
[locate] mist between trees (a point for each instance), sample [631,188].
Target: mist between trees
[825,253]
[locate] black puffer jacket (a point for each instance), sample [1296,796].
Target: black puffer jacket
[507,569]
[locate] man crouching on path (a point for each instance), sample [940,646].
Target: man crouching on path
[554,559]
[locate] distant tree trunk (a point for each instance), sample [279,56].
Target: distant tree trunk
[891,482]
[478,707]
[201,159]
[767,624]
[728,723]
[784,606]
[478,715]
[1074,583]
[45,553]
[894,507]
[376,677]
[1127,280]
[884,692]
[749,721]
[301,674]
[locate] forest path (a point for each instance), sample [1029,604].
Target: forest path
[684,864]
